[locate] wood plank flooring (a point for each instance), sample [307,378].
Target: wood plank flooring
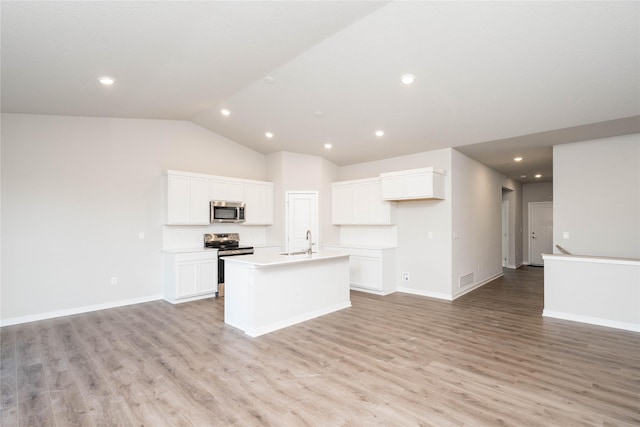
[486,359]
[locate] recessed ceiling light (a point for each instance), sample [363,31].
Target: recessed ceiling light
[379,133]
[268,134]
[328,146]
[318,114]
[538,175]
[517,159]
[523,176]
[407,79]
[225,112]
[107,81]
[269,80]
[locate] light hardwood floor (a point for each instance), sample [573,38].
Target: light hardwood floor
[488,358]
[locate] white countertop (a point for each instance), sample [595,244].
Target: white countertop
[269,260]
[187,250]
[358,246]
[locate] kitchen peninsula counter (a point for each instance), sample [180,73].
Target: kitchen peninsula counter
[267,292]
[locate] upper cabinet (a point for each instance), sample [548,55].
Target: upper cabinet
[258,198]
[359,202]
[225,190]
[426,183]
[187,196]
[186,200]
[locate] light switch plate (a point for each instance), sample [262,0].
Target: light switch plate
[565,235]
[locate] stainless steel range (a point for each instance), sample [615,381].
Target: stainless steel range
[227,244]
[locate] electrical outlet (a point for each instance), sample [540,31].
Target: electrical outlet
[478,267]
[114,280]
[430,235]
[405,277]
[565,235]
[141,235]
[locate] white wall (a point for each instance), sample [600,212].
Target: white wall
[477,222]
[75,194]
[536,192]
[428,261]
[596,191]
[301,172]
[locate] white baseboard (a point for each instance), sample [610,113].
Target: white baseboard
[256,332]
[468,289]
[424,293]
[78,310]
[592,320]
[371,291]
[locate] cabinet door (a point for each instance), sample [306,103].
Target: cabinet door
[418,185]
[227,191]
[208,276]
[365,272]
[362,203]
[259,204]
[393,188]
[187,278]
[196,277]
[178,200]
[342,204]
[199,201]
[380,209]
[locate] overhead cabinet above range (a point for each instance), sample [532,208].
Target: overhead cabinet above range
[187,196]
[413,184]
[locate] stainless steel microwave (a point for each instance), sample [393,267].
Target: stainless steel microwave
[222,211]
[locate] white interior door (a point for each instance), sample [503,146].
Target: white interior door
[540,231]
[505,233]
[302,215]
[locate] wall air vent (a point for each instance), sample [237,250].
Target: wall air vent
[465,280]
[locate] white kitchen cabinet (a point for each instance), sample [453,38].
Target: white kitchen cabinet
[189,276]
[370,269]
[342,204]
[425,183]
[258,198]
[227,190]
[186,200]
[187,196]
[359,202]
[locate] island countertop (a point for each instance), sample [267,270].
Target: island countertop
[272,260]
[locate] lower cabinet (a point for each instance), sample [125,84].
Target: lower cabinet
[189,276]
[370,270]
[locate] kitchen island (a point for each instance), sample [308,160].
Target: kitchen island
[267,292]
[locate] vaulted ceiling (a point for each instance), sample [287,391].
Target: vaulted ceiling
[493,79]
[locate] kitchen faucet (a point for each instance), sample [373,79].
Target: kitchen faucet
[309,239]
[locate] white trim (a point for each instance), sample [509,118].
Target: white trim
[468,289]
[424,293]
[505,206]
[189,299]
[371,291]
[256,332]
[593,259]
[592,320]
[77,310]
